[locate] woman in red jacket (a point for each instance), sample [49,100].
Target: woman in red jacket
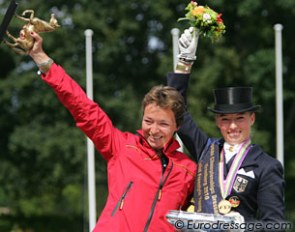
[147,176]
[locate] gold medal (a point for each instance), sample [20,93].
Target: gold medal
[235,201]
[224,207]
[227,184]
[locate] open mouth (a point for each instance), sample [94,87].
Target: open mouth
[155,138]
[234,133]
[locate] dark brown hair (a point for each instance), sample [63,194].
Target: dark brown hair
[167,98]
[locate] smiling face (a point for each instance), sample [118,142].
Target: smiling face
[235,128]
[158,125]
[163,110]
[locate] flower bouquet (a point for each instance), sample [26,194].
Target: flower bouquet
[207,21]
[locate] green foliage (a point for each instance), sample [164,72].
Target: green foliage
[43,172]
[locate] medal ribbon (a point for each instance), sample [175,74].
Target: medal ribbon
[227,184]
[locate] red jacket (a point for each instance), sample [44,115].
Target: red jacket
[139,194]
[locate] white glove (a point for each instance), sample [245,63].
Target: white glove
[188,43]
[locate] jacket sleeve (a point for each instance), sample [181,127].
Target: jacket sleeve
[270,195]
[191,135]
[89,117]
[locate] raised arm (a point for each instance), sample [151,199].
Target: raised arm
[89,117]
[193,138]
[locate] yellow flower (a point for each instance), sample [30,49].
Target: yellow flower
[198,10]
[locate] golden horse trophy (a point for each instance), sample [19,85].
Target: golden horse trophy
[24,43]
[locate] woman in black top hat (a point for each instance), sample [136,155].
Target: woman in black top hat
[234,175]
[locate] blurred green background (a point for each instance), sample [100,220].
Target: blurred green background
[43,161]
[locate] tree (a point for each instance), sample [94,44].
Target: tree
[43,155]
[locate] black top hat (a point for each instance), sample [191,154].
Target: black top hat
[233,100]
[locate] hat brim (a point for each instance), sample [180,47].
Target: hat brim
[234,110]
